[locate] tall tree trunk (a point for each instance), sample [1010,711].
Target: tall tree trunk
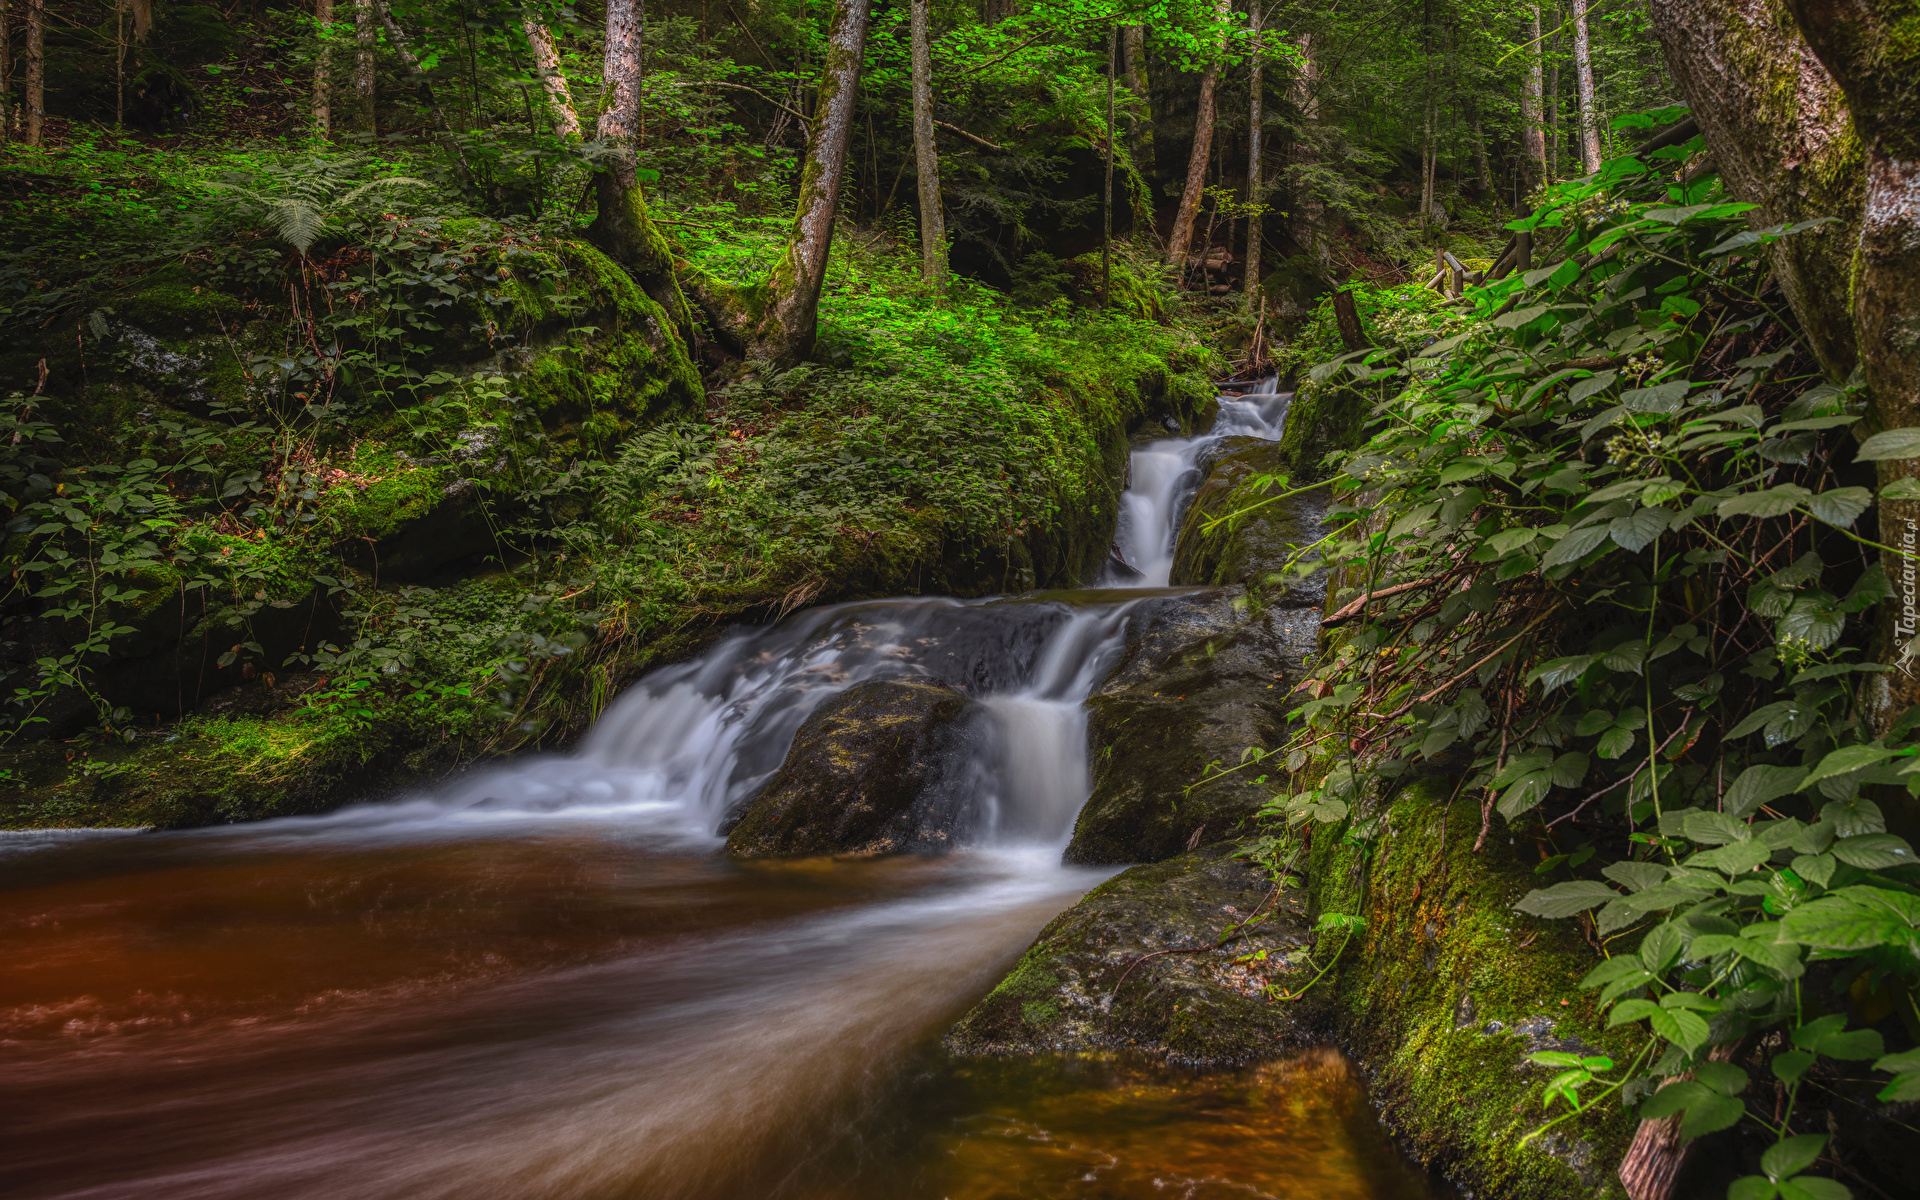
[1197,160]
[322,78]
[926,155]
[1553,106]
[791,319]
[36,97]
[1533,135]
[1869,48]
[365,36]
[6,69]
[546,60]
[1106,191]
[1777,127]
[1256,181]
[142,13]
[1483,170]
[1583,84]
[1310,229]
[1140,108]
[623,227]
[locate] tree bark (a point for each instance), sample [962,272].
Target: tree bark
[6,69]
[365,35]
[1869,49]
[1777,127]
[423,87]
[1533,135]
[1583,85]
[546,60]
[926,155]
[1553,108]
[36,97]
[791,318]
[322,78]
[1256,182]
[142,13]
[1347,318]
[1140,107]
[1183,220]
[623,227]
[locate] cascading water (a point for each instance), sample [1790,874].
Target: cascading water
[1164,474]
[542,982]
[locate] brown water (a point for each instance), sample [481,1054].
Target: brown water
[298,1010]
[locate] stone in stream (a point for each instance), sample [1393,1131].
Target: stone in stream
[1202,678]
[1254,548]
[1087,982]
[879,769]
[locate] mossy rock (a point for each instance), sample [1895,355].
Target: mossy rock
[1203,678]
[1252,549]
[882,768]
[1448,990]
[1323,419]
[1087,982]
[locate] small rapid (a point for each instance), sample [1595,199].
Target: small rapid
[541,980]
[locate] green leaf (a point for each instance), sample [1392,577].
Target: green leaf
[1874,851]
[1575,545]
[1661,398]
[1856,918]
[1566,899]
[1591,386]
[1891,443]
[1813,1187]
[1635,876]
[1680,1026]
[1637,530]
[1552,674]
[1752,1187]
[1760,784]
[1790,1065]
[1845,761]
[1674,1097]
[1660,948]
[1713,1114]
[1792,1155]
[1614,743]
[1840,507]
[1774,502]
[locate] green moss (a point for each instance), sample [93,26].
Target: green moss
[1449,990]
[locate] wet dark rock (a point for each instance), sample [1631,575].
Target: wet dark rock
[1253,549]
[881,768]
[1203,677]
[1086,983]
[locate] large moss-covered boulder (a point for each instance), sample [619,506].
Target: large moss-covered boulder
[881,768]
[1203,678]
[1260,535]
[1099,977]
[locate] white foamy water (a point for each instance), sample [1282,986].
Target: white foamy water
[1164,474]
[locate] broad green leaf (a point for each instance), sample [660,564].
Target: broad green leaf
[1856,918]
[1841,507]
[1874,852]
[1635,876]
[1566,899]
[1661,398]
[1592,386]
[1760,784]
[1846,760]
[1891,443]
[1774,502]
[1636,531]
[1680,1026]
[1792,1155]
[1813,1187]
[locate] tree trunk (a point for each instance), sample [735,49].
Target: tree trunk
[1310,228]
[1553,109]
[1256,182]
[365,35]
[36,97]
[1106,191]
[1777,127]
[1140,108]
[142,13]
[623,227]
[926,155]
[546,60]
[322,77]
[1483,170]
[1869,49]
[1533,135]
[6,69]
[423,87]
[1347,317]
[1583,84]
[791,317]
[1197,160]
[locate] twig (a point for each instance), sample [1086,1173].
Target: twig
[1685,719]
[795,113]
[1408,706]
[1233,931]
[1352,609]
[754,41]
[975,138]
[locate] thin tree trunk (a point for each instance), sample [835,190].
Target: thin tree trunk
[1583,84]
[623,227]
[423,87]
[1106,194]
[119,65]
[1197,160]
[36,96]
[322,82]
[1553,115]
[1347,318]
[1533,136]
[1140,108]
[926,155]
[142,19]
[365,35]
[1310,230]
[1482,168]
[792,315]
[546,60]
[1256,181]
[6,69]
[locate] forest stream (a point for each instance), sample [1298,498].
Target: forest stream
[547,981]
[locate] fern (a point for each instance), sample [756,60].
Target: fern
[311,200]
